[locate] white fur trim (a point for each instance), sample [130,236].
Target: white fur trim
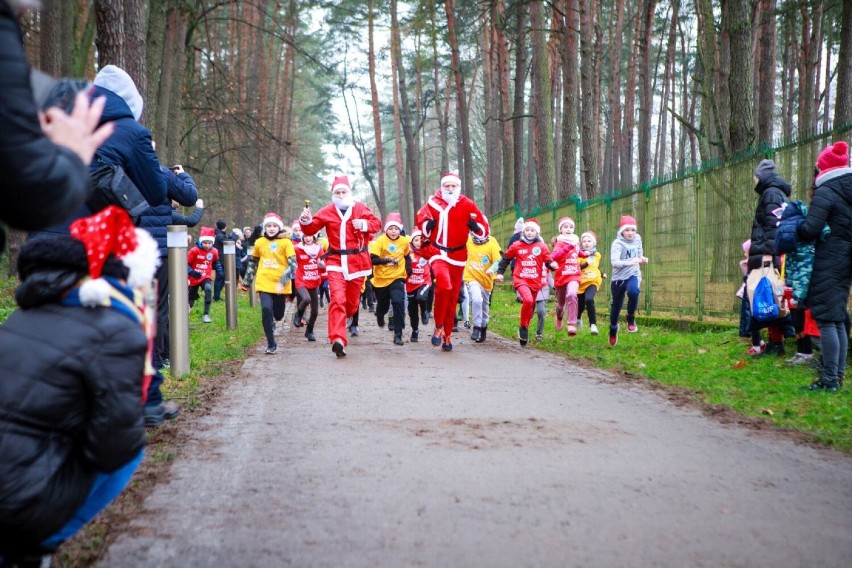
[451,176]
[275,220]
[94,292]
[143,261]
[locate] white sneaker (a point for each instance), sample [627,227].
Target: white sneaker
[593,329]
[206,319]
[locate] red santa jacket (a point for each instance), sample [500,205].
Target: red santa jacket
[448,238]
[566,254]
[530,259]
[308,272]
[202,261]
[347,246]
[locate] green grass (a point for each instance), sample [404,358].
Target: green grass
[708,360]
[213,348]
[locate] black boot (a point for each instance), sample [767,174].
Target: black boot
[415,336]
[481,338]
[477,331]
[523,335]
[397,338]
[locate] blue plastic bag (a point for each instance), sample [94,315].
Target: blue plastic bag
[763,305]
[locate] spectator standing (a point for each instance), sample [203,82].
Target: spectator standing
[220,237]
[190,220]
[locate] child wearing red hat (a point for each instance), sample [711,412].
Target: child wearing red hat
[627,256]
[418,284]
[531,256]
[309,268]
[348,224]
[590,279]
[391,266]
[202,260]
[567,277]
[271,268]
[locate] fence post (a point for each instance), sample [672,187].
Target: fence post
[176,241]
[698,249]
[648,229]
[229,265]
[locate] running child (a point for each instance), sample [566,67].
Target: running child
[590,279]
[627,256]
[202,260]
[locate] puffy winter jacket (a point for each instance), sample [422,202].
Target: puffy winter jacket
[40,183]
[773,193]
[832,274]
[70,406]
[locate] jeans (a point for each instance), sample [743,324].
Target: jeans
[619,288]
[835,343]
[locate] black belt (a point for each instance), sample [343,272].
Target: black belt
[345,251]
[449,249]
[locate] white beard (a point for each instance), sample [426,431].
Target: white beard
[451,197]
[343,202]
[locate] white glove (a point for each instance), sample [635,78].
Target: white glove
[360,225]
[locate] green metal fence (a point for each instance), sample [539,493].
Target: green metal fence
[692,227]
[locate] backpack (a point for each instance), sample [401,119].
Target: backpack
[112,186]
[763,306]
[765,288]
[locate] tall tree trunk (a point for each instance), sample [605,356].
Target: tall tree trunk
[374,102]
[811,13]
[50,60]
[542,121]
[464,118]
[134,55]
[738,25]
[518,107]
[611,178]
[570,47]
[843,102]
[766,75]
[711,143]
[630,106]
[399,152]
[110,37]
[667,91]
[505,133]
[587,98]
[491,102]
[409,129]
[440,111]
[646,99]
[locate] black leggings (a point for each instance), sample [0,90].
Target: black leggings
[308,297]
[194,292]
[586,302]
[271,310]
[392,297]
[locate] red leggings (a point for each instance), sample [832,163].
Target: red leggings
[527,296]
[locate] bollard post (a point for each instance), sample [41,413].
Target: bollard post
[229,264]
[252,295]
[178,301]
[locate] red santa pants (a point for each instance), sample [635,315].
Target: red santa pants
[527,296]
[345,296]
[448,283]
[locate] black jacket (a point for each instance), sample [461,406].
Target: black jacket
[774,193]
[70,407]
[830,281]
[40,183]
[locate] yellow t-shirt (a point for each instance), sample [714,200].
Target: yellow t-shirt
[271,263]
[479,259]
[385,274]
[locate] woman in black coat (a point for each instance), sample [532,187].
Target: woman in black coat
[71,420]
[829,290]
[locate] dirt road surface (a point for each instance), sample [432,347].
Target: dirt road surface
[492,456]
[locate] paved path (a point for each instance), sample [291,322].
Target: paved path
[488,456]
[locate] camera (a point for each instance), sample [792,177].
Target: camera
[51,92]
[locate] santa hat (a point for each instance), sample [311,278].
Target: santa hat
[341,181]
[626,222]
[273,218]
[451,177]
[592,236]
[393,219]
[111,232]
[565,220]
[519,225]
[834,156]
[532,222]
[416,233]
[207,234]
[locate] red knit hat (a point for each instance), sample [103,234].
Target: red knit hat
[273,218]
[111,232]
[394,219]
[451,177]
[834,156]
[592,236]
[341,181]
[564,220]
[626,222]
[207,234]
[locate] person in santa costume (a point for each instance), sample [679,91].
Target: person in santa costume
[348,224]
[202,260]
[531,256]
[309,269]
[446,220]
[271,268]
